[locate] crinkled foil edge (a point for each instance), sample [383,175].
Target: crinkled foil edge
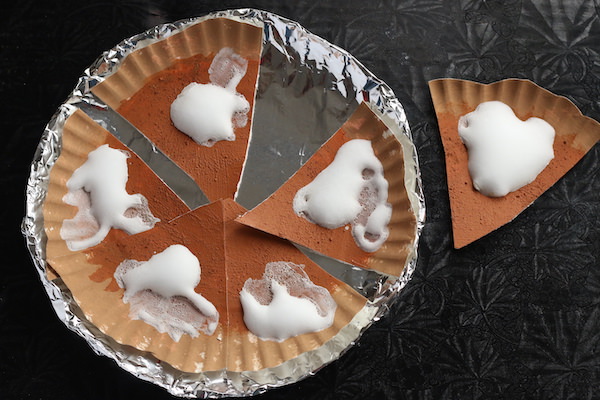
[285,35]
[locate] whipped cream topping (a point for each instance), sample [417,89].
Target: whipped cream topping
[156,289]
[208,113]
[97,189]
[351,190]
[285,303]
[505,153]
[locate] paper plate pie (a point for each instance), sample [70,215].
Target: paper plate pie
[222,203]
[474,215]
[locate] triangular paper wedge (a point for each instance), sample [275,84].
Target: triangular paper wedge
[89,275]
[474,215]
[149,79]
[229,253]
[81,135]
[248,252]
[276,215]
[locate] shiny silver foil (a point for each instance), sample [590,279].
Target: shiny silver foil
[307,89]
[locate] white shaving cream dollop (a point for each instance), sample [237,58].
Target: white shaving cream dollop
[171,274]
[97,188]
[285,315]
[505,153]
[351,190]
[208,113]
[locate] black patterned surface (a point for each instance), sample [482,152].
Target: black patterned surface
[516,315]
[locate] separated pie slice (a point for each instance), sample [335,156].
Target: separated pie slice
[348,201]
[474,214]
[207,131]
[94,166]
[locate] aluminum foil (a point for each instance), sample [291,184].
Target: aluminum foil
[307,89]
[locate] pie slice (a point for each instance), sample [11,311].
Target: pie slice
[81,136]
[276,214]
[90,276]
[248,252]
[474,215]
[150,79]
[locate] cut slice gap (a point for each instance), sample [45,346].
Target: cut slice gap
[474,215]
[276,215]
[367,282]
[177,179]
[151,78]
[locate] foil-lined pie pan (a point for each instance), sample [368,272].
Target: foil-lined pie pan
[307,89]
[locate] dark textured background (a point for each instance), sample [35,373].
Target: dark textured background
[514,316]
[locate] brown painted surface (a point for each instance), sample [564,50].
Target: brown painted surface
[474,215]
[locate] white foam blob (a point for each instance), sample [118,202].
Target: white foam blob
[208,113]
[285,303]
[161,293]
[505,153]
[351,190]
[97,189]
